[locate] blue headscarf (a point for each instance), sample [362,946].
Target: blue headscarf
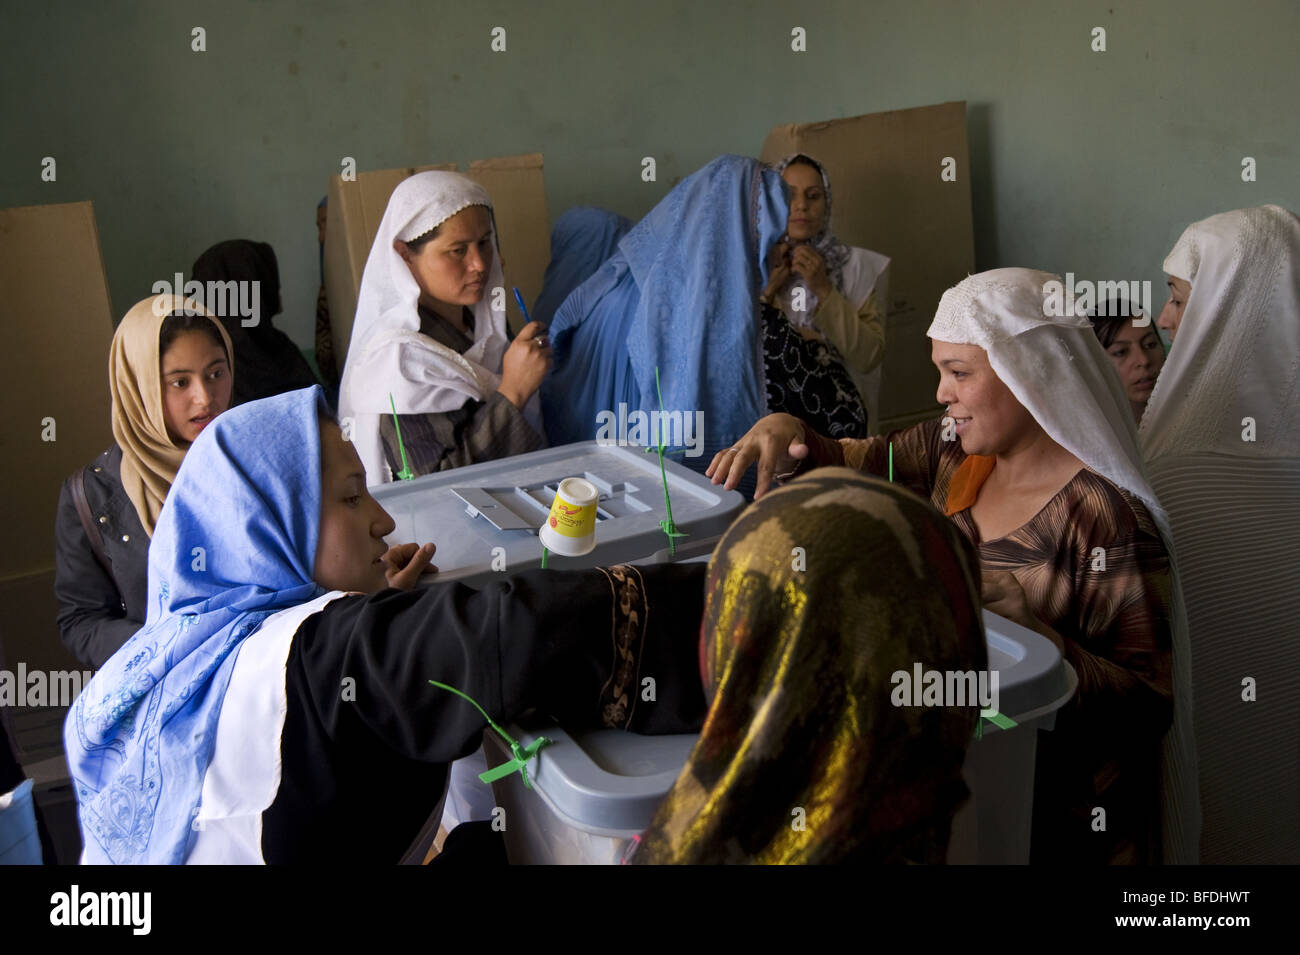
[583,238]
[235,543]
[681,294]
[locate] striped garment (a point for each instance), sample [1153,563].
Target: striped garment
[477,431]
[1114,619]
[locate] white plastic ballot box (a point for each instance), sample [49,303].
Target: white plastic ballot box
[484,517]
[594,790]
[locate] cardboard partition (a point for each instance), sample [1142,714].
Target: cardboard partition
[28,632]
[356,208]
[57,322]
[888,195]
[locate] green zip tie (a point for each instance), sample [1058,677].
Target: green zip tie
[406,473]
[667,524]
[997,719]
[522,754]
[891,462]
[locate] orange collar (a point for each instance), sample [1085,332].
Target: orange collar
[964,486]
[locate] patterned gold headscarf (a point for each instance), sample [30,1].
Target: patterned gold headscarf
[816,596]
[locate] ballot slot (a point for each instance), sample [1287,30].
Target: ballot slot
[525,508]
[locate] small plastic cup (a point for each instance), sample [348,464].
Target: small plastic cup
[570,529]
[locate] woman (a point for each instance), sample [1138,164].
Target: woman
[1222,442]
[582,240]
[1135,349]
[169,376]
[429,343]
[1171,314]
[822,328]
[812,762]
[675,312]
[267,362]
[276,706]
[1037,464]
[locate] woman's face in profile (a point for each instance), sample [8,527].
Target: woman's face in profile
[453,266]
[350,546]
[807,201]
[987,417]
[1171,316]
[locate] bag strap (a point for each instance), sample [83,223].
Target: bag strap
[88,524]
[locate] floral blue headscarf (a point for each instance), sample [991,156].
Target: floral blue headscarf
[235,543]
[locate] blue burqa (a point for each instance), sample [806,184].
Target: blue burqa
[582,241]
[235,543]
[680,295]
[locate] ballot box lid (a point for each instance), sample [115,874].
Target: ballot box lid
[1034,681]
[484,517]
[606,782]
[609,782]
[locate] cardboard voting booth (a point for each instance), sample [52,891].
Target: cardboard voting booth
[57,321]
[889,194]
[356,208]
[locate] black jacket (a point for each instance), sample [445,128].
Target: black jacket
[99,613]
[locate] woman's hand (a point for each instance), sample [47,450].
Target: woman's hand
[525,364]
[775,442]
[1003,595]
[405,563]
[808,262]
[778,263]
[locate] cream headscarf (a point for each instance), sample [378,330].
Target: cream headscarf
[1237,352]
[150,458]
[387,353]
[1057,369]
[1232,490]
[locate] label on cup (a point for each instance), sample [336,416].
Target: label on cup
[570,528]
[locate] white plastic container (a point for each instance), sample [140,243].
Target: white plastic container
[593,791]
[485,518]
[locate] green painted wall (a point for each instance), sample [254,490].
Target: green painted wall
[1081,161]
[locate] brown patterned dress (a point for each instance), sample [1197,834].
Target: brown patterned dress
[1094,568]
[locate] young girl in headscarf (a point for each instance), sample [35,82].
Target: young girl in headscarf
[169,375]
[276,707]
[429,344]
[1037,463]
[822,325]
[1221,436]
[804,758]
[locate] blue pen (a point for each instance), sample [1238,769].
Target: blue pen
[522,307]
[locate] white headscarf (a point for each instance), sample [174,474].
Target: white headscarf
[387,353]
[1237,351]
[1234,505]
[1057,369]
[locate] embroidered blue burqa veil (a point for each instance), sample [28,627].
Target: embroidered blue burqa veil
[681,294]
[235,542]
[581,242]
